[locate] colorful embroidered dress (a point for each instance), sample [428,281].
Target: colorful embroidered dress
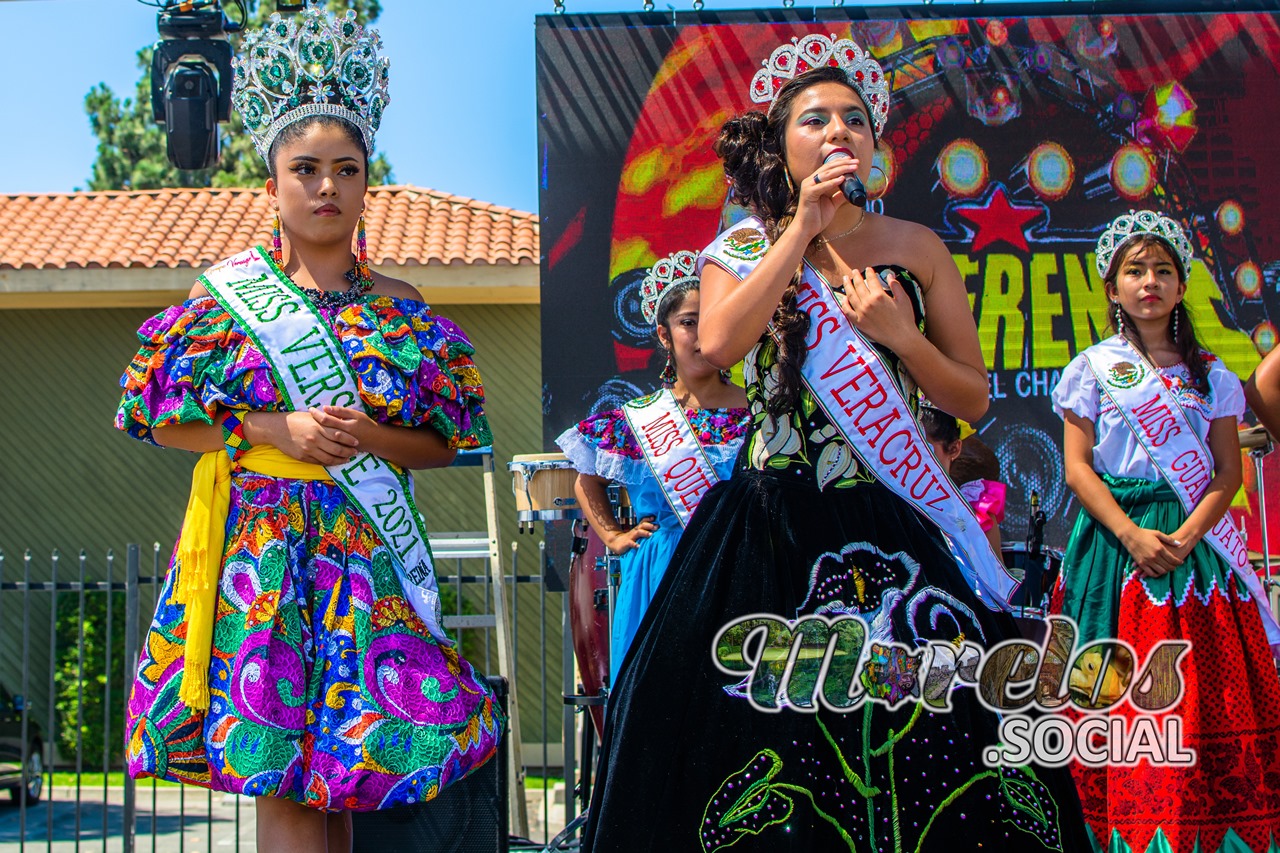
[802,528]
[1229,800]
[325,687]
[604,445]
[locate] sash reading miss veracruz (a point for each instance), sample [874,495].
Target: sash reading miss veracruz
[307,361]
[1151,411]
[671,450]
[854,386]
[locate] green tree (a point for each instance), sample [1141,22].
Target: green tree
[131,147]
[71,688]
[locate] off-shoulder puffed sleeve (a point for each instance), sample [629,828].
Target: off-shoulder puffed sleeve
[193,358]
[1077,390]
[415,368]
[412,368]
[604,446]
[1228,392]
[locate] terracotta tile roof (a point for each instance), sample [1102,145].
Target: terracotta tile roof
[196,227]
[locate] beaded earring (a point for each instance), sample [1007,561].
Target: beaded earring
[791,187]
[668,374]
[277,245]
[1175,322]
[1119,319]
[363,275]
[726,376]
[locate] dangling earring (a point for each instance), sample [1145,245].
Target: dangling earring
[726,376]
[791,187]
[1175,322]
[668,374]
[277,245]
[1119,319]
[363,276]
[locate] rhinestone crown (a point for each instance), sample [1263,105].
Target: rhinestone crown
[1137,223]
[815,51]
[313,63]
[678,268]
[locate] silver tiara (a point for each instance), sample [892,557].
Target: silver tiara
[678,268]
[311,64]
[1137,223]
[815,51]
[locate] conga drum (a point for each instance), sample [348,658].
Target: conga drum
[589,617]
[589,614]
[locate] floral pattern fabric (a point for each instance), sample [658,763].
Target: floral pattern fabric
[806,443]
[325,687]
[609,431]
[412,368]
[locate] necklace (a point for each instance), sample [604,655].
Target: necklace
[822,240]
[339,298]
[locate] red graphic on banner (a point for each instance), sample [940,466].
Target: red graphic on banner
[996,220]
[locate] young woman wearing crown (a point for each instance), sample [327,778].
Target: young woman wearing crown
[1152,453]
[669,448]
[297,653]
[717,739]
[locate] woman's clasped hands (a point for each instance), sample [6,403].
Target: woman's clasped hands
[329,435]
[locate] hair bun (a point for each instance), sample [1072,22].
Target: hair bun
[742,146]
[742,137]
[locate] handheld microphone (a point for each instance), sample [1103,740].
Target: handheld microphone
[851,186]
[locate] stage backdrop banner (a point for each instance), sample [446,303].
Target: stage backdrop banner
[1016,139]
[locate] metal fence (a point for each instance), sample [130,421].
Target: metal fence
[69,643]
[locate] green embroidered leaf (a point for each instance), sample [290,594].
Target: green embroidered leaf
[779,462]
[807,404]
[1026,797]
[745,804]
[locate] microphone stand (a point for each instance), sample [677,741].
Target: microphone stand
[1036,521]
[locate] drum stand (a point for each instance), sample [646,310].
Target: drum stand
[612,564]
[1257,454]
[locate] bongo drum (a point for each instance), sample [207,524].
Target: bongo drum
[543,487]
[1254,437]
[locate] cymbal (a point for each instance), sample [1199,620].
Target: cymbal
[1252,437]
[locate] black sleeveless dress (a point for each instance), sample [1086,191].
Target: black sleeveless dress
[690,763]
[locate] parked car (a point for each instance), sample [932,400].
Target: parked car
[11,750]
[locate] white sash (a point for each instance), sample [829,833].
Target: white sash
[672,451]
[855,388]
[311,370]
[1161,427]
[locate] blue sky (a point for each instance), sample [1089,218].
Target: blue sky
[462,117]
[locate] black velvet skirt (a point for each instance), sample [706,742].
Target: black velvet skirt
[699,756]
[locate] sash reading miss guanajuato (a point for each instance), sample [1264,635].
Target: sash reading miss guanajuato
[671,450]
[849,379]
[1151,411]
[308,363]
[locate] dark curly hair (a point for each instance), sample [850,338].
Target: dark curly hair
[1186,342]
[755,162]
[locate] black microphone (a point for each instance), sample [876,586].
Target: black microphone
[851,186]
